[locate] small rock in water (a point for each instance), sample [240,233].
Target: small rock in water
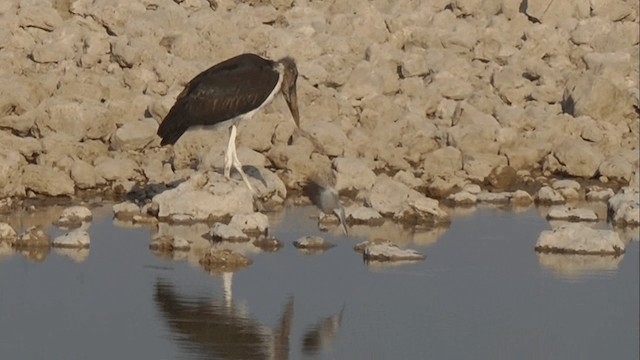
[169,243]
[74,216]
[223,232]
[255,223]
[567,213]
[77,238]
[312,243]
[7,233]
[521,198]
[267,243]
[126,210]
[624,207]
[363,215]
[580,239]
[224,260]
[597,193]
[33,237]
[384,250]
[547,195]
[463,198]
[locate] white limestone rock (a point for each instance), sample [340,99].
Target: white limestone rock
[46,180]
[224,232]
[77,238]
[363,215]
[135,135]
[547,195]
[254,223]
[568,213]
[74,216]
[624,207]
[204,197]
[580,239]
[313,243]
[7,233]
[353,174]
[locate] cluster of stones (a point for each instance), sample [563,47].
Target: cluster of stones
[412,104]
[35,243]
[437,96]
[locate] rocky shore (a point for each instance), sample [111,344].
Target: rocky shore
[413,105]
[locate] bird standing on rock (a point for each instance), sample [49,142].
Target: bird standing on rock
[228,92]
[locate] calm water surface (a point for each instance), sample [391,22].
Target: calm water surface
[482,293]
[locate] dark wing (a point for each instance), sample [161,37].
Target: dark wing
[222,92]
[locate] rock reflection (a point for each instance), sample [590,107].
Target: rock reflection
[578,267]
[219,329]
[77,255]
[398,233]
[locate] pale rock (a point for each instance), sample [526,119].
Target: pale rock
[224,232]
[547,195]
[597,96]
[11,164]
[578,158]
[387,251]
[580,239]
[624,207]
[32,237]
[597,193]
[565,184]
[512,87]
[388,196]
[126,210]
[77,238]
[363,215]
[47,181]
[521,198]
[204,197]
[224,260]
[39,16]
[616,167]
[267,184]
[479,166]
[553,13]
[134,135]
[474,189]
[168,243]
[615,10]
[7,233]
[74,216]
[567,213]
[421,210]
[569,194]
[443,162]
[407,178]
[85,176]
[451,86]
[116,169]
[353,174]
[330,137]
[442,186]
[493,197]
[255,223]
[463,198]
[312,243]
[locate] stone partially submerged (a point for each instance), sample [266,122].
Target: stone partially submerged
[579,239]
[73,217]
[224,260]
[312,244]
[384,250]
[568,213]
[76,239]
[624,207]
[204,197]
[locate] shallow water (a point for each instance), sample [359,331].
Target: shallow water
[481,293]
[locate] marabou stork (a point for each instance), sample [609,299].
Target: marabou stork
[228,92]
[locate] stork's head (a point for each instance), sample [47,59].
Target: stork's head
[289,78]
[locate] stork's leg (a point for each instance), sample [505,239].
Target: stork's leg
[231,158]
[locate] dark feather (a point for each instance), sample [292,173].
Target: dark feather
[222,92]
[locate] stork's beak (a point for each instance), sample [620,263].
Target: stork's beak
[291,97]
[340,213]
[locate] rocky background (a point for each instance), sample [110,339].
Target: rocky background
[433,96]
